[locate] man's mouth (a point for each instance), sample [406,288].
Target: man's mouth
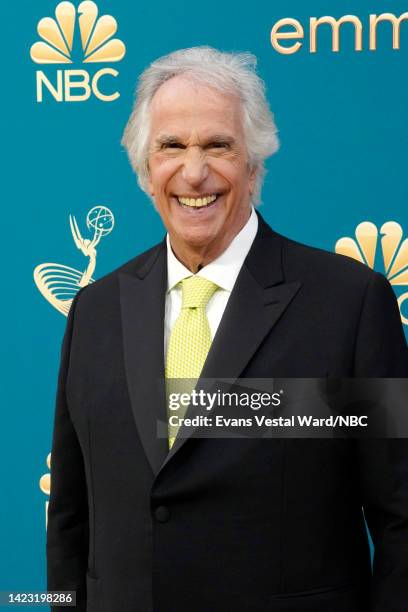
[200,202]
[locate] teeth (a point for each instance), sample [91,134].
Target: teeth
[197,202]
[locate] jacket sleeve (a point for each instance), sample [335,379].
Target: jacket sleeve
[67,527]
[381,352]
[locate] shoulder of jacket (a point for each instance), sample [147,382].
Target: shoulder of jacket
[311,261]
[107,285]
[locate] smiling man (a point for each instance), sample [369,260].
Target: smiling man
[199,172]
[144,520]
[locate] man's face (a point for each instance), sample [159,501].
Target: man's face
[198,167]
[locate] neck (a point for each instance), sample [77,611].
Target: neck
[195,257]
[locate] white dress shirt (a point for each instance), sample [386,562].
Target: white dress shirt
[223,271]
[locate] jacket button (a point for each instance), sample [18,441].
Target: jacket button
[162,514]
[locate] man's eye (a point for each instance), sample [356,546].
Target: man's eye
[172,145]
[219,145]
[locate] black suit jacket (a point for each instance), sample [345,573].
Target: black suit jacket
[251,525]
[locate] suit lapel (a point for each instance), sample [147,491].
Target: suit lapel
[257,302]
[142,299]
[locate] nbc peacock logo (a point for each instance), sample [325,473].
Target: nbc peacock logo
[76,35]
[394,253]
[45,486]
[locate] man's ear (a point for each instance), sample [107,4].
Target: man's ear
[253,172]
[149,180]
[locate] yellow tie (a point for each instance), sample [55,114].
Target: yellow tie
[189,341]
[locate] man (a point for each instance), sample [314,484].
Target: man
[138,522]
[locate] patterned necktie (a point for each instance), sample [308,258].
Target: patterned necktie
[189,341]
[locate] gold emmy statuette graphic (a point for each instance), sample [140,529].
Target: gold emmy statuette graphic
[45,486]
[394,252]
[96,33]
[58,283]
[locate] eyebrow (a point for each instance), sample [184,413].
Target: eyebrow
[166,139]
[222,138]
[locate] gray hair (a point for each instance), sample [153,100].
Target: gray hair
[231,73]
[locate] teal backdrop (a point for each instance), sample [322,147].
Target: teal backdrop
[342,120]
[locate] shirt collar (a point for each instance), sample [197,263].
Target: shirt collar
[224,270]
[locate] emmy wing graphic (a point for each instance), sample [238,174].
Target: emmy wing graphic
[59,283]
[394,252]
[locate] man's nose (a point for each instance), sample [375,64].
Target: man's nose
[195,168]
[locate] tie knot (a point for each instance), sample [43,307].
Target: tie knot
[197,291]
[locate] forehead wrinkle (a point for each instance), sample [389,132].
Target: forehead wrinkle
[171,103]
